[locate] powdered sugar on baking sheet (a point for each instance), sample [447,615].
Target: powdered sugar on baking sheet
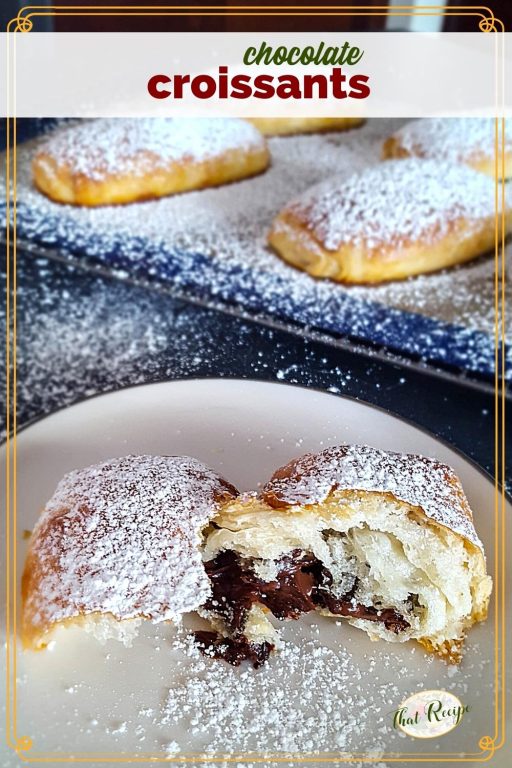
[396,203]
[454,139]
[213,244]
[416,480]
[97,149]
[122,537]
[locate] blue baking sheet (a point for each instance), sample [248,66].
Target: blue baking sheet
[316,304]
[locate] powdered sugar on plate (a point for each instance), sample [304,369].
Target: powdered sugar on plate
[87,697]
[276,710]
[305,702]
[330,693]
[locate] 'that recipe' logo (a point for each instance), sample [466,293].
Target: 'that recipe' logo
[428,714]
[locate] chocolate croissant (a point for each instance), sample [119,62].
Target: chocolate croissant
[119,542]
[384,540]
[389,221]
[286,126]
[468,140]
[116,160]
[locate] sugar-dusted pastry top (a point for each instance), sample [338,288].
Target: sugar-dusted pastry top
[102,148]
[122,537]
[454,139]
[416,480]
[393,204]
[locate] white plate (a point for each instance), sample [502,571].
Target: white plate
[83,697]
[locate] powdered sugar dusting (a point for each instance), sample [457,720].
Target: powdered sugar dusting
[122,537]
[330,693]
[454,139]
[416,480]
[395,203]
[212,244]
[101,148]
[276,711]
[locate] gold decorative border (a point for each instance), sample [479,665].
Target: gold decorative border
[22,745]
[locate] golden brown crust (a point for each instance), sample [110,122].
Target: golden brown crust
[431,490]
[60,184]
[449,651]
[120,539]
[389,222]
[483,162]
[287,126]
[425,484]
[292,239]
[114,161]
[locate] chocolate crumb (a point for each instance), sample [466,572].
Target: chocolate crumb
[233,650]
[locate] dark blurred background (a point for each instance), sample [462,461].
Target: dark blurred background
[204,22]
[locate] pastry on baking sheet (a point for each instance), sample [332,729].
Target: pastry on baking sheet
[118,542]
[468,140]
[284,126]
[389,221]
[117,160]
[384,540]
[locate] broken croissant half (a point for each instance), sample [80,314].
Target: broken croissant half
[384,540]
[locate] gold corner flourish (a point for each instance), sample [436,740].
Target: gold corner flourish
[488,24]
[23,744]
[20,22]
[23,24]
[487,744]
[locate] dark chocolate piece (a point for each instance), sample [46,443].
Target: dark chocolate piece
[233,650]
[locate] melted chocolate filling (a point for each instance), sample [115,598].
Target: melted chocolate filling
[302,585]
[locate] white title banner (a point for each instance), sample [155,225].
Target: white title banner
[255,74]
